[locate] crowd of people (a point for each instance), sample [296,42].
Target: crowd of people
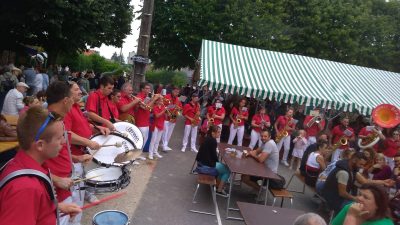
[323,149]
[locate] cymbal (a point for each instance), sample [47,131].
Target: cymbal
[127,156]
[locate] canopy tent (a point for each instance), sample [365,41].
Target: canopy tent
[296,79]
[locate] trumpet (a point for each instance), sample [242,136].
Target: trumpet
[315,119]
[142,103]
[342,141]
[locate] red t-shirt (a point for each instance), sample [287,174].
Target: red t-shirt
[125,99]
[142,116]
[391,147]
[282,121]
[314,129]
[190,111]
[337,133]
[211,110]
[235,112]
[174,104]
[76,122]
[25,200]
[61,166]
[257,119]
[106,105]
[158,122]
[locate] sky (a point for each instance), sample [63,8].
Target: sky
[130,42]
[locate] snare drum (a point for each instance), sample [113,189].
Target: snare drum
[105,156]
[108,179]
[110,217]
[134,134]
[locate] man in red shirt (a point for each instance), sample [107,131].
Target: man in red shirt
[174,107]
[127,103]
[100,108]
[143,109]
[216,112]
[341,131]
[259,122]
[287,123]
[392,147]
[29,199]
[369,131]
[238,113]
[191,112]
[157,128]
[313,127]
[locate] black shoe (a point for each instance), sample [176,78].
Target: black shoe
[222,193]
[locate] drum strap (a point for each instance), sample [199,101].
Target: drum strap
[33,173]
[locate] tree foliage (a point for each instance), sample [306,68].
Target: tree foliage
[93,62]
[361,32]
[166,77]
[65,26]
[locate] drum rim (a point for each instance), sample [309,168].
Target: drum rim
[118,135]
[124,122]
[98,168]
[111,210]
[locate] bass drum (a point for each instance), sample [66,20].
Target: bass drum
[105,156]
[132,131]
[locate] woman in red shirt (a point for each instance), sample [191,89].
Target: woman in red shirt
[157,128]
[392,147]
[238,117]
[260,121]
[217,113]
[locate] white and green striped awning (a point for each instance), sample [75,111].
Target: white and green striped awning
[294,78]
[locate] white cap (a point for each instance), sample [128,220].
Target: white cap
[22,84]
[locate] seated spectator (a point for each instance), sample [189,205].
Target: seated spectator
[380,170]
[268,154]
[370,154]
[13,101]
[7,132]
[340,181]
[392,145]
[316,163]
[396,171]
[324,174]
[309,219]
[29,101]
[309,149]
[207,159]
[372,208]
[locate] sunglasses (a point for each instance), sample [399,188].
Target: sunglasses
[50,117]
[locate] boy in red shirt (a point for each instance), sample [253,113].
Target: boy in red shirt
[238,113]
[313,128]
[191,112]
[157,128]
[216,112]
[285,123]
[259,122]
[174,107]
[341,131]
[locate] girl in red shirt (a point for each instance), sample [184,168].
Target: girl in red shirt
[157,128]
[238,116]
[260,121]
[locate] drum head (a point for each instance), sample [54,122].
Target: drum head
[106,155]
[110,217]
[134,134]
[104,174]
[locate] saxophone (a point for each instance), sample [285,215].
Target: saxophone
[237,120]
[284,133]
[196,118]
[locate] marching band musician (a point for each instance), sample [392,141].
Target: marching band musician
[217,113]
[392,148]
[157,128]
[313,127]
[260,121]
[282,124]
[126,104]
[27,200]
[367,131]
[238,117]
[101,109]
[142,113]
[174,106]
[339,132]
[191,112]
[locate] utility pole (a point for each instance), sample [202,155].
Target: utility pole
[141,58]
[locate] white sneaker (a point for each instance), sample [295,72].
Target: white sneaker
[183,149]
[158,155]
[284,162]
[141,158]
[194,150]
[166,148]
[151,157]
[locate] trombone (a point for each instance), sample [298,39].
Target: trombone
[315,119]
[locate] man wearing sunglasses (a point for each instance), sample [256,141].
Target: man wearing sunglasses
[30,199]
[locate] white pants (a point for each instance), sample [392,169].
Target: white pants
[78,196]
[255,136]
[192,131]
[232,133]
[155,141]
[285,141]
[66,220]
[336,154]
[311,140]
[168,129]
[145,133]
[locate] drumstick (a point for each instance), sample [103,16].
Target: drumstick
[87,178]
[117,144]
[117,195]
[105,142]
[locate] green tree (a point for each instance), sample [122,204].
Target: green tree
[166,77]
[64,26]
